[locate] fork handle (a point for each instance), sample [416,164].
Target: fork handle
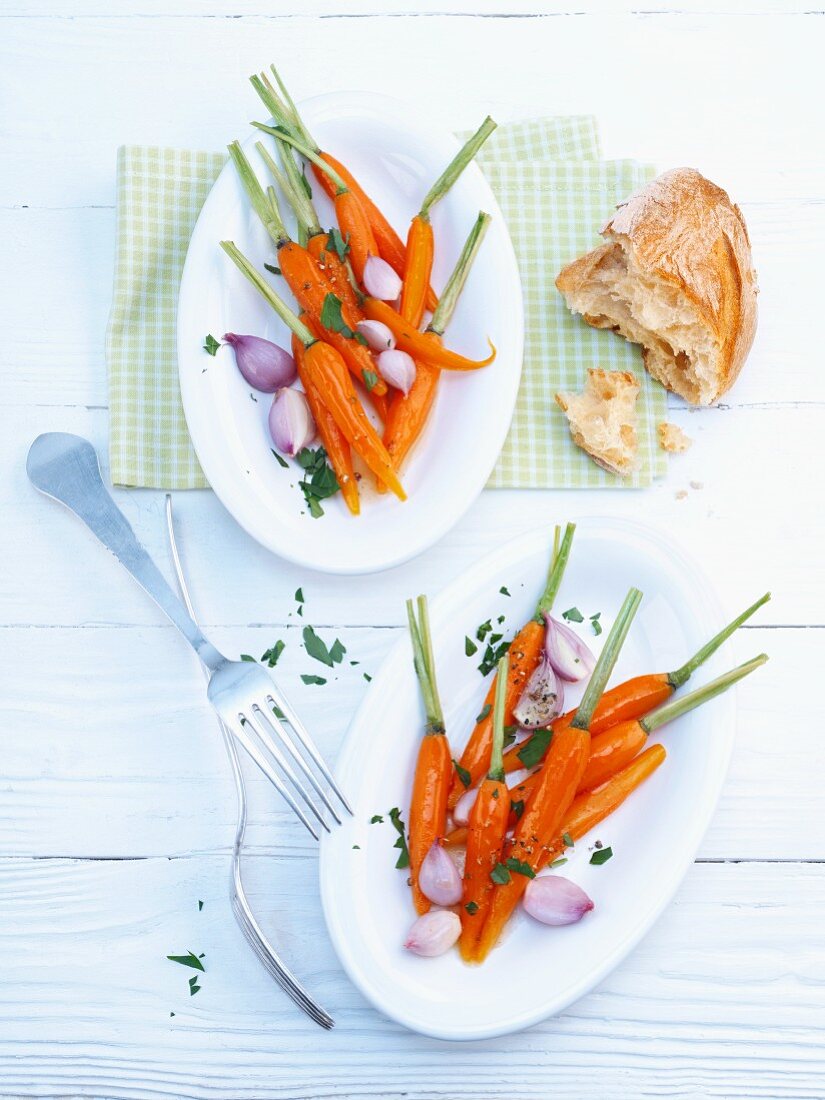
[65,467]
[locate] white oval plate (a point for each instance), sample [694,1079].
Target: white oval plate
[536,971]
[396,155]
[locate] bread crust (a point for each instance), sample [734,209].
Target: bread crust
[684,231]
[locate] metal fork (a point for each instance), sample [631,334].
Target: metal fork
[240,904]
[65,467]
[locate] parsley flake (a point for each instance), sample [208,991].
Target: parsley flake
[376,819]
[337,243]
[520,867]
[558,862]
[500,875]
[401,841]
[471,907]
[210,344]
[317,648]
[567,840]
[532,751]
[370,379]
[271,267]
[319,481]
[188,960]
[503,590]
[517,807]
[308,679]
[469,647]
[601,856]
[462,774]
[200,906]
[332,319]
[573,615]
[281,460]
[485,710]
[270,658]
[492,655]
[594,622]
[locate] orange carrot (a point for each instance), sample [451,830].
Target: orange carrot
[456,838]
[524,651]
[636,697]
[327,371]
[358,359]
[417,344]
[335,444]
[408,413]
[485,831]
[335,270]
[428,806]
[546,810]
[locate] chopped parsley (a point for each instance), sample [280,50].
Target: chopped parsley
[270,657]
[309,679]
[319,481]
[191,959]
[503,590]
[558,862]
[520,867]
[462,774]
[567,840]
[317,648]
[401,841]
[281,460]
[299,595]
[193,986]
[247,657]
[200,906]
[492,654]
[210,344]
[376,819]
[471,907]
[331,318]
[602,855]
[517,807]
[500,875]
[532,751]
[370,379]
[483,630]
[509,735]
[367,677]
[271,267]
[485,710]
[573,615]
[337,243]
[469,647]
[594,622]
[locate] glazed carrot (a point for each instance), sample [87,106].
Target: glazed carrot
[335,444]
[335,270]
[358,359]
[428,806]
[408,413]
[544,813]
[419,344]
[420,244]
[390,246]
[456,838]
[524,652]
[636,697]
[486,830]
[327,371]
[306,279]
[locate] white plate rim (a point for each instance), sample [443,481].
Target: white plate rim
[694,832]
[221,479]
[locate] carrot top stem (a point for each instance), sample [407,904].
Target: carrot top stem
[295,195]
[305,151]
[264,206]
[676,707]
[455,284]
[424,663]
[607,659]
[283,110]
[496,771]
[681,675]
[262,286]
[456,166]
[293,110]
[561,554]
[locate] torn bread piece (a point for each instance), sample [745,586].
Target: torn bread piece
[602,419]
[673,439]
[675,275]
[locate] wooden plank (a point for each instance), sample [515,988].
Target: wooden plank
[538,68]
[136,746]
[743,459]
[723,998]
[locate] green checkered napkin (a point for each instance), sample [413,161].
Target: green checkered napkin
[554,196]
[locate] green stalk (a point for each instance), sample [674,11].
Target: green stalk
[674,708]
[263,287]
[607,659]
[425,665]
[557,568]
[455,284]
[305,151]
[262,204]
[496,771]
[303,209]
[456,166]
[284,110]
[683,674]
[298,121]
[300,188]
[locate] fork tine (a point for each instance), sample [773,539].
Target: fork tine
[240,733]
[303,736]
[269,716]
[272,747]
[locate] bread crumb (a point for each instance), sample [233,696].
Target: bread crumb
[681,494]
[697,484]
[672,438]
[602,419]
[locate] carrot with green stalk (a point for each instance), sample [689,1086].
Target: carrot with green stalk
[544,813]
[632,699]
[420,249]
[428,805]
[310,285]
[408,412]
[328,373]
[486,829]
[524,652]
[390,246]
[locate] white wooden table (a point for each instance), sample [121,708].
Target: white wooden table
[117,805]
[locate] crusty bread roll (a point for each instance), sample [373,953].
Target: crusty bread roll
[675,275]
[602,419]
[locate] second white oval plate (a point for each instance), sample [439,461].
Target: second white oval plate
[396,156]
[536,971]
